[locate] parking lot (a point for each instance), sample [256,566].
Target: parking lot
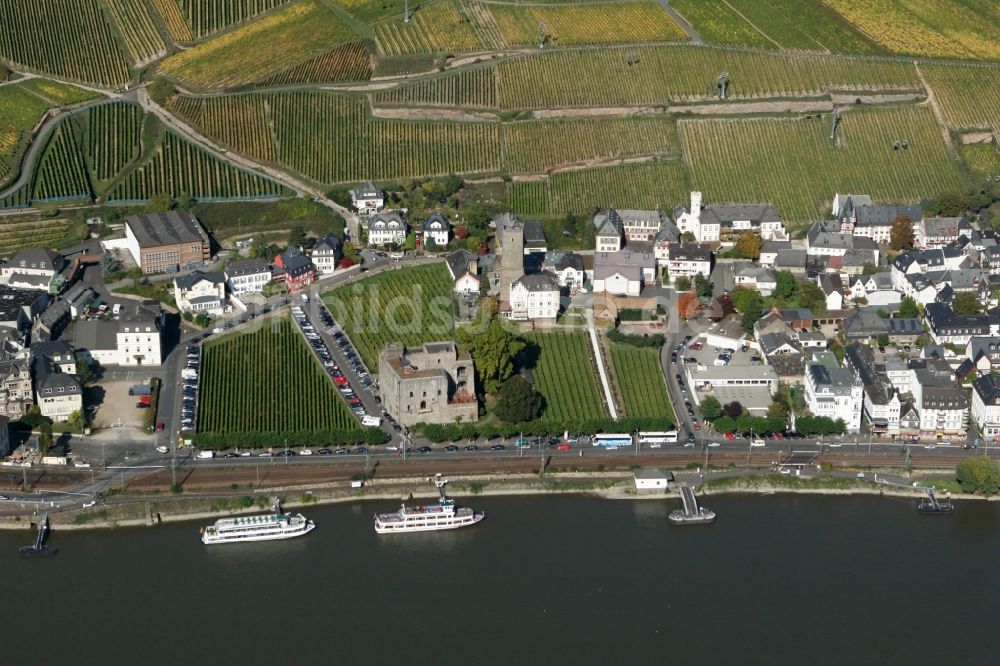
[708,355]
[115,407]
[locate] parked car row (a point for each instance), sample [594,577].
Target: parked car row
[189,387]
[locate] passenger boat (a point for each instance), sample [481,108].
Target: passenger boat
[270,527]
[445,515]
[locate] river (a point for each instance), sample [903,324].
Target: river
[543,580]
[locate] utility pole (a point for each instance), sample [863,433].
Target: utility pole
[541,35]
[406,11]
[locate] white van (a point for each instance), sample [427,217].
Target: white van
[204,455]
[116,310]
[372,421]
[757,442]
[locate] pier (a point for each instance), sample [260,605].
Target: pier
[691,514]
[40,548]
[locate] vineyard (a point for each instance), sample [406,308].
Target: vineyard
[958,90]
[572,24]
[267,380]
[331,138]
[435,27]
[981,158]
[794,164]
[69,38]
[170,12]
[370,11]
[410,305]
[112,134]
[61,174]
[286,37]
[532,147]
[208,16]
[56,93]
[640,381]
[939,29]
[645,186]
[20,111]
[718,23]
[471,88]
[179,167]
[348,62]
[15,236]
[137,29]
[20,198]
[807,25]
[564,374]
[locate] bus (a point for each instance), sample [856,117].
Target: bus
[612,441]
[655,440]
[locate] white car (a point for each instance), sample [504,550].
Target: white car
[305,452]
[713,445]
[392,448]
[162,449]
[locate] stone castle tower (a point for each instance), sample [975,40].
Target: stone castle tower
[511,234]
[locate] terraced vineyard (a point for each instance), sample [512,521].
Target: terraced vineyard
[267,45]
[62,174]
[411,306]
[435,27]
[348,62]
[796,166]
[640,381]
[958,90]
[69,38]
[645,186]
[242,378]
[532,147]
[20,111]
[564,373]
[112,133]
[170,12]
[471,88]
[940,29]
[981,158]
[180,168]
[16,236]
[137,29]
[208,16]
[575,24]
[21,198]
[330,137]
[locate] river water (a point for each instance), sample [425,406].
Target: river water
[543,580]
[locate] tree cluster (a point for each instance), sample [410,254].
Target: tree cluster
[493,351]
[539,428]
[980,475]
[218,441]
[819,425]
[652,341]
[518,401]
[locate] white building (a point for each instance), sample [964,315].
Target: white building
[248,276]
[32,268]
[58,392]
[623,273]
[368,198]
[326,253]
[935,232]
[463,266]
[723,222]
[986,405]
[835,393]
[534,296]
[685,259]
[567,267]
[201,292]
[134,339]
[757,278]
[436,228]
[386,229]
[650,479]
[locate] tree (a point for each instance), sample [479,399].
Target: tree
[187,316]
[44,438]
[882,339]
[297,235]
[184,201]
[682,283]
[430,244]
[980,475]
[518,401]
[742,298]
[785,285]
[688,305]
[901,234]
[688,237]
[732,409]
[966,304]
[4,73]
[748,245]
[77,421]
[493,351]
[201,319]
[703,286]
[868,268]
[724,424]
[908,307]
[949,204]
[710,408]
[751,317]
[812,297]
[159,203]
[84,371]
[777,409]
[349,251]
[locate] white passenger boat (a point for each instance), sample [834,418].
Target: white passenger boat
[273,526]
[445,515]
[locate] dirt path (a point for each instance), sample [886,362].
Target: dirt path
[681,21]
[425,113]
[936,110]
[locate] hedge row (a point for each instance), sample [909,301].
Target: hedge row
[455,432]
[218,441]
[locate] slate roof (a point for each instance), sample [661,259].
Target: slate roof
[608,223]
[458,262]
[190,280]
[988,388]
[436,222]
[36,258]
[171,228]
[726,214]
[367,190]
[534,235]
[247,267]
[882,215]
[560,261]
[328,245]
[544,281]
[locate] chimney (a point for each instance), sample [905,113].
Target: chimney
[696,204]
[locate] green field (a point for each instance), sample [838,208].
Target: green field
[576,24]
[331,138]
[208,16]
[645,186]
[409,305]
[564,373]
[718,23]
[640,381]
[794,164]
[534,146]
[265,46]
[68,38]
[981,158]
[370,11]
[267,380]
[56,92]
[20,111]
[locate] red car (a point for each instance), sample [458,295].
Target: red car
[778,435]
[730,435]
[563,447]
[697,346]
[697,426]
[340,381]
[160,426]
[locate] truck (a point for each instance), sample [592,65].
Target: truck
[373,421]
[144,401]
[205,455]
[141,389]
